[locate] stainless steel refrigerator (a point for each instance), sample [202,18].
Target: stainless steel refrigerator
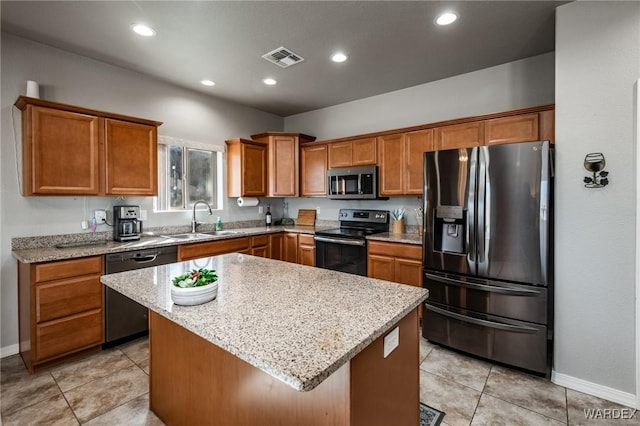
[487,254]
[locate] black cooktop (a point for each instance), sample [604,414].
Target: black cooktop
[348,232]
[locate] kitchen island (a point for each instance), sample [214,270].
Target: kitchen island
[281,344]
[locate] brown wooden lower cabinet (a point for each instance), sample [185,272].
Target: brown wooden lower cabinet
[276,245]
[260,245]
[306,250]
[291,247]
[60,309]
[368,390]
[213,248]
[299,248]
[397,262]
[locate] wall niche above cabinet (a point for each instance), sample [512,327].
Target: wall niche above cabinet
[69,150]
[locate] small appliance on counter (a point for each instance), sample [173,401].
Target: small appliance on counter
[126,223]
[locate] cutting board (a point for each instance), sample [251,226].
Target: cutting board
[306,217]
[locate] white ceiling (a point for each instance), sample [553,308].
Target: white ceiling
[391,44]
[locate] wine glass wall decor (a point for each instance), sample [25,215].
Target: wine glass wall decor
[595,163]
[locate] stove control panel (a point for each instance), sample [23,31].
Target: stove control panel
[364,216]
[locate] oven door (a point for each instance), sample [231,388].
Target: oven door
[341,254]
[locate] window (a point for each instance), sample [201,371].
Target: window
[187,172]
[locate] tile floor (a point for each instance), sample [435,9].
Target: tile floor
[111,388]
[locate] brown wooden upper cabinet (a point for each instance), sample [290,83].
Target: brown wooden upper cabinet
[400,162]
[313,178]
[69,150]
[519,128]
[283,162]
[463,135]
[131,158]
[246,168]
[357,152]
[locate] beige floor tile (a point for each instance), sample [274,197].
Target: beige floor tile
[20,389]
[133,413]
[51,412]
[137,350]
[496,412]
[99,396]
[144,365]
[425,348]
[11,369]
[533,393]
[456,401]
[80,372]
[457,368]
[585,409]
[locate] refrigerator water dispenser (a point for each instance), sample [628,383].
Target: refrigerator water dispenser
[449,227]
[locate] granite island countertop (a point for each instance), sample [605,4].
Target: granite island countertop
[297,323]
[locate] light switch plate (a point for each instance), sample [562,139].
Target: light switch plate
[391,341]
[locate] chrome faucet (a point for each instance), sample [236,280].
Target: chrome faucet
[194,224]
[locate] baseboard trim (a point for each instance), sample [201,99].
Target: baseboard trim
[6,351]
[594,389]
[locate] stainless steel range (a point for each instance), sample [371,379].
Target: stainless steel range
[344,249]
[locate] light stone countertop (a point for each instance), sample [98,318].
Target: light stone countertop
[297,323]
[50,253]
[47,252]
[408,238]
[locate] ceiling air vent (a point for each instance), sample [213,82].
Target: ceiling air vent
[283,57]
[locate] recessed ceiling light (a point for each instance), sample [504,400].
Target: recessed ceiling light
[269,81]
[339,57]
[143,30]
[446,18]
[208,83]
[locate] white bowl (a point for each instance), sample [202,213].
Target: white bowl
[194,295]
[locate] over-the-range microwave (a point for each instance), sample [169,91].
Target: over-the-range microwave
[353,183]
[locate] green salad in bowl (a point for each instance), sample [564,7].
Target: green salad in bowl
[196,278]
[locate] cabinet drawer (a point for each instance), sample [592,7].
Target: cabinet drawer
[408,251]
[213,248]
[70,334]
[260,240]
[68,268]
[306,240]
[62,298]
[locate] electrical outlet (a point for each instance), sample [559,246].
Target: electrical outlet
[391,341]
[143,215]
[260,209]
[317,211]
[84,224]
[100,216]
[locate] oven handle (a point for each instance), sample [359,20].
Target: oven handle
[481,322]
[359,243]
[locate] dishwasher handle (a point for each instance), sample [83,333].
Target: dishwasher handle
[145,259]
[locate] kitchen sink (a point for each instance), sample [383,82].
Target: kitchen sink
[226,232]
[187,236]
[196,235]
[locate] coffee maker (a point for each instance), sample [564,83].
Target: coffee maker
[126,226]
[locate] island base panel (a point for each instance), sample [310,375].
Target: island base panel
[195,382]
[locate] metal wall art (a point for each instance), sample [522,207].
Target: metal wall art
[595,163]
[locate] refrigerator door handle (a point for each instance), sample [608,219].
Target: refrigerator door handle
[471,212]
[484,287]
[481,322]
[484,210]
[544,212]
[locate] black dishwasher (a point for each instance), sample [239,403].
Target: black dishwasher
[125,319]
